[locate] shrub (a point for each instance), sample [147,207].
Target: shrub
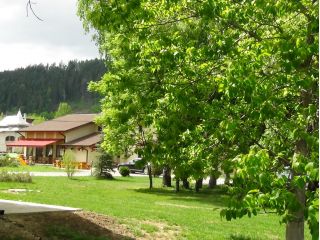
[103,166]
[6,161]
[69,163]
[124,171]
[156,170]
[15,177]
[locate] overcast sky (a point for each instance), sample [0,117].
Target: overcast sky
[26,40]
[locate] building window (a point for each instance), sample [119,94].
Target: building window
[10,138]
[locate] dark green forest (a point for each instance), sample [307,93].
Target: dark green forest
[40,88]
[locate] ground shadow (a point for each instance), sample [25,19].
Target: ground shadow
[216,197]
[61,225]
[241,237]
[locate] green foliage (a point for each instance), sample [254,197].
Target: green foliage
[156,170]
[6,161]
[69,163]
[37,118]
[230,85]
[40,88]
[15,177]
[124,171]
[63,109]
[103,165]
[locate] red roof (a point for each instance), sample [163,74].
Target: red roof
[31,143]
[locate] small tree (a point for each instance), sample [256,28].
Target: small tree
[124,171]
[103,166]
[63,109]
[69,162]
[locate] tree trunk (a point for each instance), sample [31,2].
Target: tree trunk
[212,181]
[227,179]
[177,185]
[186,183]
[150,176]
[166,179]
[295,228]
[198,184]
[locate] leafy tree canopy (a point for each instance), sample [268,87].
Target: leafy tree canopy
[230,84]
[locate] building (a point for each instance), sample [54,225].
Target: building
[47,141]
[9,127]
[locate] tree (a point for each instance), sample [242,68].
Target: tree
[103,165]
[69,163]
[40,88]
[219,83]
[63,109]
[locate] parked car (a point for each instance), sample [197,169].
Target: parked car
[135,166]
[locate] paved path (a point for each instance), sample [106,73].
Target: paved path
[11,207]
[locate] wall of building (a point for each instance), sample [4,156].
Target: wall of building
[81,154]
[3,135]
[81,132]
[43,135]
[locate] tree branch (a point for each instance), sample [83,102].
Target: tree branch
[29,6]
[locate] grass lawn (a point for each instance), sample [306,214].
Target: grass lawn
[190,215]
[33,168]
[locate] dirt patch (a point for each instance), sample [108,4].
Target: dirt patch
[61,225]
[152,229]
[80,225]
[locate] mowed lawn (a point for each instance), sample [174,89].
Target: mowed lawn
[33,168]
[191,215]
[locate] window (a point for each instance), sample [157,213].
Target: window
[10,138]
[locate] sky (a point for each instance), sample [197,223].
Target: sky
[60,37]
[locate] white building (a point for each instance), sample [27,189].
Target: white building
[8,130]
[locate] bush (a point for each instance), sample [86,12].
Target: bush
[6,161]
[15,177]
[124,171]
[103,166]
[69,163]
[156,170]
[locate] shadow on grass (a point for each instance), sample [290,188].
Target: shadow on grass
[241,237]
[216,197]
[58,226]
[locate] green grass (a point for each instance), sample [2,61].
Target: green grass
[33,168]
[191,215]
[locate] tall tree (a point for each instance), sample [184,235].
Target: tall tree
[63,109]
[219,83]
[40,88]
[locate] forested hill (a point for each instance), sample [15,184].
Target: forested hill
[40,88]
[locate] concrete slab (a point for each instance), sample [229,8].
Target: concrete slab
[13,207]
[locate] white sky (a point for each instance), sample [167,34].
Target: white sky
[26,40]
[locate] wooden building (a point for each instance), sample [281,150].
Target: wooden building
[47,141]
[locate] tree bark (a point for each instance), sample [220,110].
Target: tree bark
[198,184]
[166,179]
[295,228]
[227,179]
[186,183]
[212,181]
[177,185]
[150,176]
